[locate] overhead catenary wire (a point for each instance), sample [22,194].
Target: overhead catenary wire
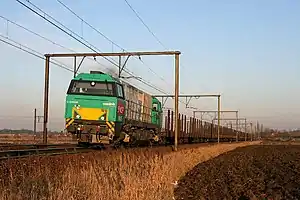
[103,35]
[58,27]
[91,47]
[35,33]
[31,52]
[45,38]
[138,16]
[148,28]
[99,32]
[35,51]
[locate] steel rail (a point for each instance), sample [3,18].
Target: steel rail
[21,153]
[11,146]
[37,145]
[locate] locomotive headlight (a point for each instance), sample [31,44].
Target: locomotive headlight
[93,83]
[102,118]
[77,107]
[77,116]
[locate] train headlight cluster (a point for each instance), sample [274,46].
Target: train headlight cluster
[80,128]
[77,107]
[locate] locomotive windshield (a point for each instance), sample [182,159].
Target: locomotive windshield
[91,88]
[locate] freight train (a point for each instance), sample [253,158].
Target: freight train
[102,109]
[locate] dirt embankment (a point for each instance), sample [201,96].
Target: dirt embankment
[254,172]
[129,174]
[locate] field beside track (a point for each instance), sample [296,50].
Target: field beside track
[269,171]
[133,174]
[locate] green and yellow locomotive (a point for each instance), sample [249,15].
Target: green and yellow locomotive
[101,109]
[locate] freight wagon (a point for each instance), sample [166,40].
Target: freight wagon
[193,130]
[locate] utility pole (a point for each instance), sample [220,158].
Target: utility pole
[255,132]
[261,130]
[251,131]
[36,119]
[237,130]
[237,125]
[219,117]
[245,129]
[176,133]
[34,122]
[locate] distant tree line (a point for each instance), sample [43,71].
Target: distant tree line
[281,133]
[18,131]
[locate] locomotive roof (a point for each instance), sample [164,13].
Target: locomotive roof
[107,77]
[96,77]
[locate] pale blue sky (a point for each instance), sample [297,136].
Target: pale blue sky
[246,50]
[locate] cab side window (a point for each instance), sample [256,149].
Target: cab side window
[120,91]
[155,107]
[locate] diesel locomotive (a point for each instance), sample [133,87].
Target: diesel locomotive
[102,109]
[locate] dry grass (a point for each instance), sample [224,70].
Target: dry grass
[127,175]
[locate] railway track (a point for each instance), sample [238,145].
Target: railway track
[21,153]
[59,149]
[7,146]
